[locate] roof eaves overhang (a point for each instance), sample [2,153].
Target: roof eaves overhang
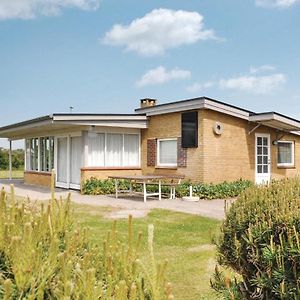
[277,121]
[57,122]
[193,104]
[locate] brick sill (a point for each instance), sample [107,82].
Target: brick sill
[169,168]
[286,167]
[38,173]
[109,168]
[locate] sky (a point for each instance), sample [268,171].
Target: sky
[103,56]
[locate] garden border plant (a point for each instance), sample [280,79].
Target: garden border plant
[95,186]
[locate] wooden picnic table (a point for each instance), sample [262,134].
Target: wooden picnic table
[145,180]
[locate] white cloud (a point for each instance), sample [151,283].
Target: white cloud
[198,87]
[261,69]
[254,84]
[276,3]
[160,75]
[29,9]
[159,30]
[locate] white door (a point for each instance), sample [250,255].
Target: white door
[62,165]
[76,161]
[262,158]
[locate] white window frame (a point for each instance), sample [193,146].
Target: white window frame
[292,164]
[158,163]
[138,134]
[29,167]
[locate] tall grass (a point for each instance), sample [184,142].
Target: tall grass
[44,255]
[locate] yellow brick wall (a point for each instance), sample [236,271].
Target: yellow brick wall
[169,126]
[37,178]
[229,157]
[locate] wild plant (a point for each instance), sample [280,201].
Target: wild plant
[45,255]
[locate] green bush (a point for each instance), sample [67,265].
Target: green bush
[44,256]
[94,186]
[260,241]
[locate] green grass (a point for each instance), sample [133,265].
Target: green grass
[183,239]
[4,174]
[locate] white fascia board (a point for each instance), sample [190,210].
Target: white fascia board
[174,107]
[226,109]
[196,104]
[98,118]
[124,124]
[26,126]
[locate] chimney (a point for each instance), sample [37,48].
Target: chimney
[148,102]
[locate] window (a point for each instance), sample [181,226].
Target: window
[46,154]
[167,152]
[96,147]
[40,154]
[285,154]
[113,150]
[189,129]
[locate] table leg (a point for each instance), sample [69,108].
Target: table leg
[145,191]
[116,187]
[159,190]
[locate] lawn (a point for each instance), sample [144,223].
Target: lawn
[4,174]
[183,239]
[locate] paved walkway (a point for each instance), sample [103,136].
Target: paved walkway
[123,206]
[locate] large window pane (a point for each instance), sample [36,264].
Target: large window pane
[167,152]
[131,150]
[96,146]
[34,154]
[285,153]
[114,149]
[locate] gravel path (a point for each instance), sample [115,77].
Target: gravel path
[125,205]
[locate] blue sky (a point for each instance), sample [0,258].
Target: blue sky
[104,55]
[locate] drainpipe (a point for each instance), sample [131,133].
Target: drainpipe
[10,159]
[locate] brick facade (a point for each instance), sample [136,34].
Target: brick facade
[226,157]
[37,178]
[151,152]
[181,155]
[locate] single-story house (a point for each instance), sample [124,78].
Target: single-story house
[203,139]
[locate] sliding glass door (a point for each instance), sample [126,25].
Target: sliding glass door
[69,151]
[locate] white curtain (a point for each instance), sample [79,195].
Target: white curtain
[131,150]
[96,146]
[76,159]
[114,149]
[62,159]
[168,152]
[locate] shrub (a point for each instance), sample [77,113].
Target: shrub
[44,256]
[94,186]
[260,240]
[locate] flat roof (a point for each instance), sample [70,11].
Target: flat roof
[62,121]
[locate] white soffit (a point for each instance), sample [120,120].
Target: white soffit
[276,121]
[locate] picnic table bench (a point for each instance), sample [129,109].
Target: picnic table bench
[160,180]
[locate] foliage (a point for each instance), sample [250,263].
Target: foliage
[44,256]
[94,186]
[17,159]
[260,240]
